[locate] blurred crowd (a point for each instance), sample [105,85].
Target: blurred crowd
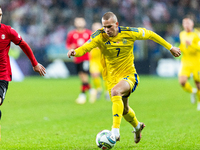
[47,22]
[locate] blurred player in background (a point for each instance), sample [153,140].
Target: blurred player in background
[75,39]
[8,35]
[116,45]
[96,68]
[190,61]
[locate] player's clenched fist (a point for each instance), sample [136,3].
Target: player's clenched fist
[175,51]
[71,52]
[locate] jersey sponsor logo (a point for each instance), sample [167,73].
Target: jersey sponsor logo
[124,41]
[3,36]
[107,43]
[116,115]
[116,42]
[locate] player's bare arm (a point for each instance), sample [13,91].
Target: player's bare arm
[71,52]
[175,51]
[40,69]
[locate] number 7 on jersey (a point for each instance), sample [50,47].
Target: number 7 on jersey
[118,49]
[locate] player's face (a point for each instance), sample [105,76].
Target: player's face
[80,23]
[188,24]
[110,27]
[1,13]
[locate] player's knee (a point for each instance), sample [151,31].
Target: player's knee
[115,92]
[182,83]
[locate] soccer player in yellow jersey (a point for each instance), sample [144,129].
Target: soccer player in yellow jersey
[96,68]
[116,45]
[190,61]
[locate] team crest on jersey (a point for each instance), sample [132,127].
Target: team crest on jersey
[3,36]
[124,41]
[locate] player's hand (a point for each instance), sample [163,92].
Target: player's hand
[71,52]
[40,69]
[175,51]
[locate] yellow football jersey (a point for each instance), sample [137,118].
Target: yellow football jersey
[117,52]
[95,61]
[95,54]
[191,53]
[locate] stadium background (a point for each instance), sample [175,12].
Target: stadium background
[44,24]
[41,114]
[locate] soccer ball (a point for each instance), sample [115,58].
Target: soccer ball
[105,139]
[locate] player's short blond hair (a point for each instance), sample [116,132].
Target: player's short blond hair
[189,16]
[109,15]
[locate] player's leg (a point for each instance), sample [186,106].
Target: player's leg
[3,90]
[95,70]
[128,113]
[183,80]
[96,79]
[96,91]
[196,77]
[120,89]
[83,71]
[198,94]
[184,74]
[129,116]
[85,83]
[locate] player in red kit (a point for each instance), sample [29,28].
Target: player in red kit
[75,39]
[8,35]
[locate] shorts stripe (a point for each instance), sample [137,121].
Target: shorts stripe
[136,83]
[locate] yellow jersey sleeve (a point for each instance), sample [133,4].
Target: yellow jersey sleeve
[145,34]
[92,43]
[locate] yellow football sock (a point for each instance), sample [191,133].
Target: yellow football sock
[97,82]
[187,87]
[198,94]
[117,110]
[131,118]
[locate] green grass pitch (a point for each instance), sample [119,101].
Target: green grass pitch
[41,114]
